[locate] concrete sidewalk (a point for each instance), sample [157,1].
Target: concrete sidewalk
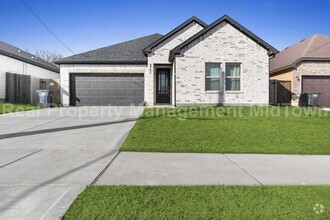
[216,169]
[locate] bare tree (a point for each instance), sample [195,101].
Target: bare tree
[48,55]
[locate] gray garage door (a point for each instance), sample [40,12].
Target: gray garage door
[318,84]
[106,89]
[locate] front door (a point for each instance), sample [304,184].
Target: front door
[163,82]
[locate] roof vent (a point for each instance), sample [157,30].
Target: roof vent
[19,51]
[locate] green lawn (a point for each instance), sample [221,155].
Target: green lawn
[272,130]
[8,108]
[202,202]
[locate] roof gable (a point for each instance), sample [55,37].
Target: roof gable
[174,31]
[225,18]
[129,52]
[18,54]
[316,47]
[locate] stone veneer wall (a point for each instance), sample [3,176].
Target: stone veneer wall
[66,69]
[223,44]
[160,56]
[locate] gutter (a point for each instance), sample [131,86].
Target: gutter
[174,84]
[294,64]
[102,62]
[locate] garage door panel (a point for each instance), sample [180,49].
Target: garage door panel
[131,93]
[85,101]
[104,93]
[95,85]
[85,93]
[130,85]
[122,93]
[318,84]
[139,93]
[122,102]
[139,85]
[86,85]
[107,89]
[113,93]
[104,85]
[113,102]
[121,85]
[112,85]
[95,93]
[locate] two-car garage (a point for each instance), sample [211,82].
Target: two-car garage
[112,75]
[106,89]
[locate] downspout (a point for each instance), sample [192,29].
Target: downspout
[174,79]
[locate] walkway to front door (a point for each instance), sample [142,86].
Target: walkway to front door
[163,85]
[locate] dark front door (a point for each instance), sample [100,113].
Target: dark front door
[163,89]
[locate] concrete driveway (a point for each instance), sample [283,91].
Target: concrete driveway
[48,156]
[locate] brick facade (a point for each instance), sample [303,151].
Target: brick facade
[223,44]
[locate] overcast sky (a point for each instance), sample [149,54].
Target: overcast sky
[89,24]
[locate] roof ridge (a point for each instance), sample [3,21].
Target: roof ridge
[125,41]
[128,52]
[320,46]
[101,48]
[309,45]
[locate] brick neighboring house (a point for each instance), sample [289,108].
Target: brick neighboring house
[218,64]
[303,68]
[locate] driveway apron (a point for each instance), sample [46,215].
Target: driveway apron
[48,156]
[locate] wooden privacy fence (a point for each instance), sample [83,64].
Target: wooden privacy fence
[279,92]
[273,92]
[23,89]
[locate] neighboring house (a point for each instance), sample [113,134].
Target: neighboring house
[303,68]
[15,60]
[218,64]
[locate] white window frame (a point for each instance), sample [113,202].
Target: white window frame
[213,77]
[233,77]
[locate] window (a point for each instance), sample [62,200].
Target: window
[212,77]
[233,77]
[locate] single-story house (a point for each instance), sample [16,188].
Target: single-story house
[218,64]
[15,60]
[303,68]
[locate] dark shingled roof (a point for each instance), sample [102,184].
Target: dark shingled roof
[18,54]
[129,52]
